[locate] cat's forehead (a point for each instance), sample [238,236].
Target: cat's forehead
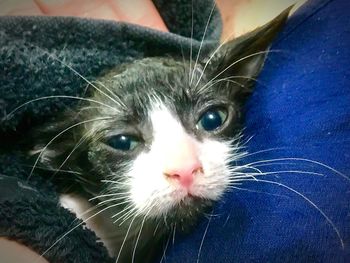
[161,76]
[165,123]
[177,84]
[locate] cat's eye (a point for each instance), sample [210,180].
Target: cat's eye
[212,119]
[123,142]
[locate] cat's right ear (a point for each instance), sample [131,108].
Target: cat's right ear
[241,59]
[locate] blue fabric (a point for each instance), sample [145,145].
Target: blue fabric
[301,109]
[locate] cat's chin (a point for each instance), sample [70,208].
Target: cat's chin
[187,211]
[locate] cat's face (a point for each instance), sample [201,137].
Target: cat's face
[159,135]
[169,143]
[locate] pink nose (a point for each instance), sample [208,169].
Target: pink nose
[185,174]
[182,163]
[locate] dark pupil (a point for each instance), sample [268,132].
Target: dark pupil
[211,120]
[120,142]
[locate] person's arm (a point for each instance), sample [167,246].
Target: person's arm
[12,251]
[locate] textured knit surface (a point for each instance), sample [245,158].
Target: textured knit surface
[35,56]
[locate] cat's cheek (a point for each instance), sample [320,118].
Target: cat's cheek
[215,156]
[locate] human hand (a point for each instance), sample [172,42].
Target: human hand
[141,12]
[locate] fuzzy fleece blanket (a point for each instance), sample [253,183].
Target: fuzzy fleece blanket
[31,49]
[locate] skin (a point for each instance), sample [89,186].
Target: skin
[243,16]
[235,16]
[118,10]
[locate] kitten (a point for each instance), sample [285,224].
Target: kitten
[152,148]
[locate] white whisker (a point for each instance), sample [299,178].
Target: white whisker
[156,228]
[265,150]
[114,199]
[9,115]
[138,237]
[165,249]
[122,211]
[81,141]
[174,232]
[202,41]
[330,222]
[303,160]
[256,191]
[212,56]
[127,216]
[191,46]
[72,229]
[276,172]
[82,77]
[238,61]
[202,241]
[124,240]
[58,135]
[107,195]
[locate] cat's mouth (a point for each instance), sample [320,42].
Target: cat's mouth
[184,196]
[190,195]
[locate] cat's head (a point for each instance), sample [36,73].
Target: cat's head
[160,135]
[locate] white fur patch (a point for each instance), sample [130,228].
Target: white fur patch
[151,192]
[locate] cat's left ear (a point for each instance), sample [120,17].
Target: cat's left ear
[242,59]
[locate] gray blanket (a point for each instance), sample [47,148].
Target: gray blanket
[47,56]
